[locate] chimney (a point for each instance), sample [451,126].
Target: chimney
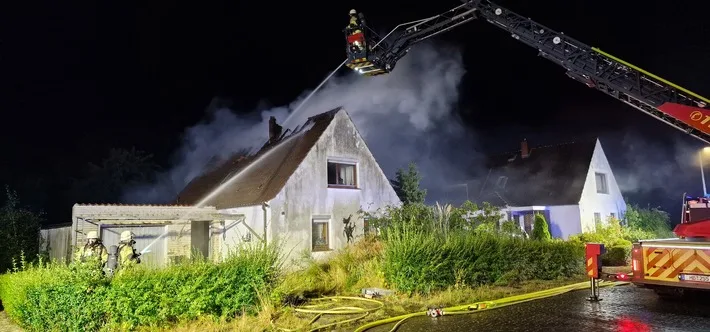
[524,152]
[274,130]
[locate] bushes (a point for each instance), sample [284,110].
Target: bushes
[540,229]
[41,298]
[422,262]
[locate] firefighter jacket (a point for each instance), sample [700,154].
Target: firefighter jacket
[354,26]
[127,255]
[95,251]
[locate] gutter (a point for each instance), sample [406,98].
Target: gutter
[264,206]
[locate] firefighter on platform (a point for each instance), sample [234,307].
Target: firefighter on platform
[127,255]
[354,28]
[93,250]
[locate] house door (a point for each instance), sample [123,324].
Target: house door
[145,236]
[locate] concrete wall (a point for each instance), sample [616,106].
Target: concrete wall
[57,241]
[591,201]
[306,194]
[238,222]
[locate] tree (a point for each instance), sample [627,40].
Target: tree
[19,230]
[406,185]
[652,220]
[105,182]
[540,229]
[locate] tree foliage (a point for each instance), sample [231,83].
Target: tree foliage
[406,185]
[540,230]
[19,230]
[652,220]
[105,182]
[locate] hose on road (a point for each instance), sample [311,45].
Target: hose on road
[328,302]
[487,305]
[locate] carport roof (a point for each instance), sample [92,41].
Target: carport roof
[252,180]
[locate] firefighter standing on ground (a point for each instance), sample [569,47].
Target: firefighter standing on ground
[93,249]
[127,255]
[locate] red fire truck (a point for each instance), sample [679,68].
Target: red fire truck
[672,266]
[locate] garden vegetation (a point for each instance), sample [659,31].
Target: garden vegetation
[440,254]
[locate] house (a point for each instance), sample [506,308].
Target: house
[572,184]
[303,189]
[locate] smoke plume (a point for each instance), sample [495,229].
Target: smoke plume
[656,170]
[406,116]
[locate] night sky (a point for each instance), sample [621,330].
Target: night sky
[81,78]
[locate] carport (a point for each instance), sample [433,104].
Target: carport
[164,233]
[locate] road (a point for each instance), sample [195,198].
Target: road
[622,309]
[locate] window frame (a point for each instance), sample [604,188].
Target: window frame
[597,219]
[604,181]
[326,222]
[338,164]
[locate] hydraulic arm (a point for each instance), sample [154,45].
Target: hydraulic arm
[666,101]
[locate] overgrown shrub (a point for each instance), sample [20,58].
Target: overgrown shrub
[422,262]
[75,297]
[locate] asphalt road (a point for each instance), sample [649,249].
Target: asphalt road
[622,309]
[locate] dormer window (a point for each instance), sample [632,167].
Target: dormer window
[502,180]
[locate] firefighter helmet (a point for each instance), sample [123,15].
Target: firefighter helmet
[127,236]
[353,12]
[92,235]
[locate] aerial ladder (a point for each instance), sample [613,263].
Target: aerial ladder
[668,266]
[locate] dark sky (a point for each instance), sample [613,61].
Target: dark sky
[81,78]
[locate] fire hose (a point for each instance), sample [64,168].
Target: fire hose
[344,310]
[487,305]
[399,320]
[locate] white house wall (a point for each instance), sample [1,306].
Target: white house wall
[564,221]
[306,194]
[235,232]
[591,201]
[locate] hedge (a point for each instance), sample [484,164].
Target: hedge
[75,297]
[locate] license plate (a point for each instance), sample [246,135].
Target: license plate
[695,277]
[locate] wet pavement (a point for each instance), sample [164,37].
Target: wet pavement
[622,309]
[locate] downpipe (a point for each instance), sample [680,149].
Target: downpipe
[264,207]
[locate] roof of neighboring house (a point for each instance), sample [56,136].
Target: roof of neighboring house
[252,180]
[550,175]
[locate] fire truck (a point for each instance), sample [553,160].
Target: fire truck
[669,266]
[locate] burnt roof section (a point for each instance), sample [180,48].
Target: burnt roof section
[550,175]
[261,175]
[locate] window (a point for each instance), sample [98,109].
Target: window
[597,219]
[321,234]
[502,181]
[602,187]
[341,175]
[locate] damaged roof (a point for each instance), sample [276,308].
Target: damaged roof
[550,175]
[261,175]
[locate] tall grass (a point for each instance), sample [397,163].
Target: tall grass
[77,297]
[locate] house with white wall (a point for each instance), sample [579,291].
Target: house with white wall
[571,184]
[302,189]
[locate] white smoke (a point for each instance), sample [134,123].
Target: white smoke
[407,115]
[645,167]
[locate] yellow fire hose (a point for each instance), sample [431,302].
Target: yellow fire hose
[486,305]
[456,310]
[345,310]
